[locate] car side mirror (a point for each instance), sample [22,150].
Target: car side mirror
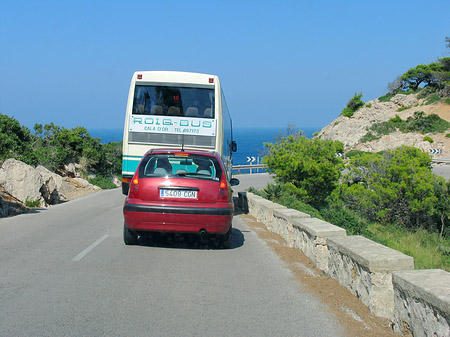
[234,182]
[233,146]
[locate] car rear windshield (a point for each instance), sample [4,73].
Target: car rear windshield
[180,165]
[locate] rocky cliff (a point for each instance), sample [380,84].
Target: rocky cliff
[350,130]
[21,183]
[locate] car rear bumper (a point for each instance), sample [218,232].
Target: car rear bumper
[177,219]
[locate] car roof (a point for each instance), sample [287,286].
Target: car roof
[171,150]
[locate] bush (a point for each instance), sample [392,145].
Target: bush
[386,98]
[432,99]
[428,139]
[32,203]
[102,182]
[369,137]
[308,168]
[424,124]
[347,112]
[353,105]
[340,215]
[396,187]
[15,141]
[353,153]
[403,108]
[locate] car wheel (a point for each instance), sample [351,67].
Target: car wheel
[129,237]
[225,240]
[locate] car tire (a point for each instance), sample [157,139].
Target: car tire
[225,240]
[129,238]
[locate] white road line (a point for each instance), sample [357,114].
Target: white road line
[88,249]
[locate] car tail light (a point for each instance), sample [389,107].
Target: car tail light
[223,191]
[134,187]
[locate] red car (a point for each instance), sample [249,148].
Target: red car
[179,191]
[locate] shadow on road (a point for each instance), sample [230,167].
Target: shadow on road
[189,241]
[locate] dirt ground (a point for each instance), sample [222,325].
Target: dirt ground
[351,313]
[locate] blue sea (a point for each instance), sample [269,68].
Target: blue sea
[250,141]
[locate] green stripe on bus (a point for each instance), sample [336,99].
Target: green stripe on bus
[130,165]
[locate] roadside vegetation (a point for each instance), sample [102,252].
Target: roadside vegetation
[391,197]
[54,147]
[418,123]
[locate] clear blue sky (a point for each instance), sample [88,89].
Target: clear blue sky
[280,62]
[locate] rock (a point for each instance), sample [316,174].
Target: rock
[116,181]
[70,170]
[405,100]
[21,180]
[85,184]
[51,185]
[350,130]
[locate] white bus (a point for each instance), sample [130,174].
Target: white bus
[170,109]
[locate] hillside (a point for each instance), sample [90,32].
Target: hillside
[350,130]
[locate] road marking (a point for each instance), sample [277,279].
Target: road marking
[88,249]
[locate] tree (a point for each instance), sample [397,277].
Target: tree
[396,186]
[353,105]
[395,86]
[309,168]
[442,206]
[15,141]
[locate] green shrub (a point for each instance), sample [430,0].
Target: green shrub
[377,130]
[403,108]
[386,98]
[447,100]
[428,139]
[308,168]
[353,153]
[102,182]
[32,203]
[369,137]
[395,187]
[347,112]
[340,215]
[447,135]
[369,105]
[424,124]
[353,105]
[15,141]
[425,92]
[432,99]
[383,128]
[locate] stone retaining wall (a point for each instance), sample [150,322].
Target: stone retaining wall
[382,278]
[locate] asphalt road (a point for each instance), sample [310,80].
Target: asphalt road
[66,272]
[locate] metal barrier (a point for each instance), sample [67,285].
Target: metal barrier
[257,167]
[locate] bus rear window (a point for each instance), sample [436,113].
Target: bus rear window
[173,101]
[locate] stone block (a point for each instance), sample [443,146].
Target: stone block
[310,236]
[422,301]
[282,223]
[365,268]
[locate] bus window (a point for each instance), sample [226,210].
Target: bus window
[173,101]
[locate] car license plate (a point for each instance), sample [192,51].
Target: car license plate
[183,194]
